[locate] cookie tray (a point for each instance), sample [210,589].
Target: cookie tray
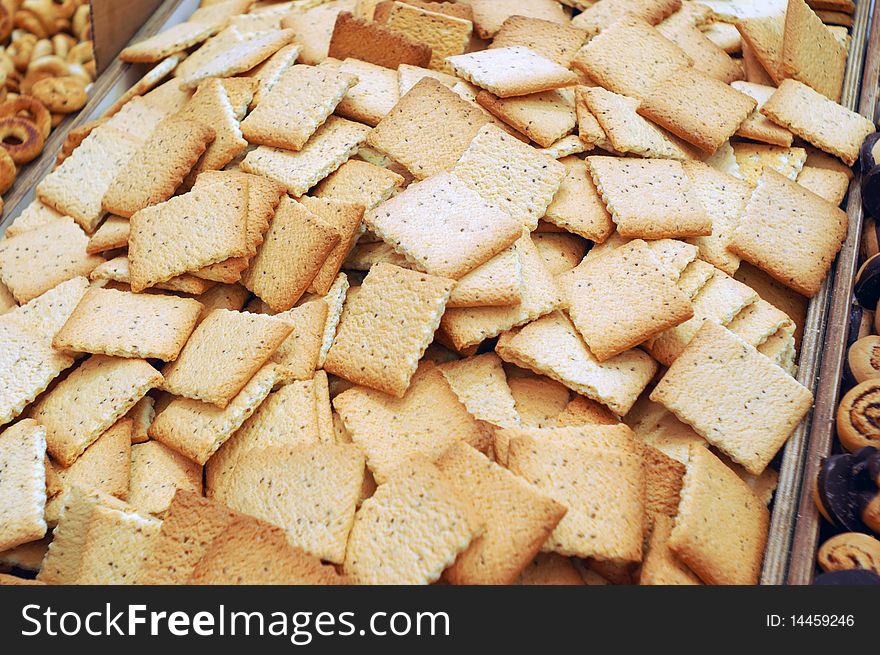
[796,524]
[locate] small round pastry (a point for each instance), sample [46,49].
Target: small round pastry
[850,550]
[842,488]
[864,358]
[61,95]
[858,417]
[30,108]
[21,139]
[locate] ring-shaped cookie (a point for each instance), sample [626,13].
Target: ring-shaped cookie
[33,110]
[21,139]
[61,95]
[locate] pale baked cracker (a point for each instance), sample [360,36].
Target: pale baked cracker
[38,260]
[375,43]
[620,300]
[551,346]
[408,76]
[240,92]
[577,206]
[141,415]
[373,96]
[517,518]
[297,357]
[335,300]
[314,27]
[658,428]
[196,429]
[601,15]
[725,36]
[545,117]
[164,100]
[386,328]
[511,71]
[554,40]
[175,39]
[111,234]
[753,158]
[118,270]
[480,384]
[661,566]
[810,52]
[671,101]
[489,15]
[757,126]
[649,198]
[446,35]
[498,282]
[125,324]
[719,384]
[330,147]
[708,58]
[755,71]
[565,147]
[222,354]
[831,185]
[764,37]
[758,322]
[266,74]
[721,528]
[473,229]
[777,209]
[345,219]
[630,57]
[510,174]
[35,214]
[427,419]
[23,484]
[428,129]
[360,182]
[815,118]
[539,402]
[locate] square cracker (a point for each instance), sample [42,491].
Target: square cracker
[187,232]
[757,126]
[512,71]
[298,356]
[308,490]
[361,183]
[545,117]
[629,57]
[386,328]
[517,518]
[708,57]
[623,298]
[498,282]
[345,219]
[411,529]
[77,187]
[375,43]
[124,324]
[510,174]
[831,185]
[577,206]
[721,528]
[446,35]
[425,421]
[89,400]
[443,225]
[466,327]
[330,147]
[175,39]
[266,74]
[551,346]
[296,107]
[373,96]
[810,52]
[37,260]
[815,118]
[489,15]
[779,208]
[112,234]
[23,483]
[158,167]
[671,102]
[762,37]
[35,214]
[720,385]
[555,41]
[602,489]
[196,429]
[222,354]
[294,250]
[649,198]
[429,129]
[480,384]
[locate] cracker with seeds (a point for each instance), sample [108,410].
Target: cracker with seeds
[671,101]
[35,214]
[629,57]
[620,300]
[223,354]
[510,174]
[831,185]
[197,429]
[815,118]
[123,324]
[373,96]
[328,148]
[758,322]
[175,39]
[551,346]
[777,209]
[744,384]
[757,126]
[360,182]
[23,483]
[375,43]
[721,528]
[498,282]
[555,41]
[411,529]
[490,15]
[614,437]
[296,107]
[517,518]
[385,329]
[577,206]
[810,52]
[649,198]
[89,400]
[481,386]
[345,219]
[473,229]
[429,129]
[512,71]
[544,117]
[446,35]
[240,92]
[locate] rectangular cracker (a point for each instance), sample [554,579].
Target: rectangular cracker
[498,282]
[577,206]
[757,126]
[123,324]
[778,208]
[815,118]
[511,71]
[555,41]
[489,15]
[223,354]
[374,43]
[810,52]
[345,219]
[373,96]
[545,117]
[298,356]
[481,386]
[35,214]
[599,16]
[23,484]
[720,384]
[89,400]
[831,185]
[386,328]
[708,57]
[112,234]
[360,182]
[175,39]
[330,146]
[446,35]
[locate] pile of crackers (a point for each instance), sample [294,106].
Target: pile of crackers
[406,292]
